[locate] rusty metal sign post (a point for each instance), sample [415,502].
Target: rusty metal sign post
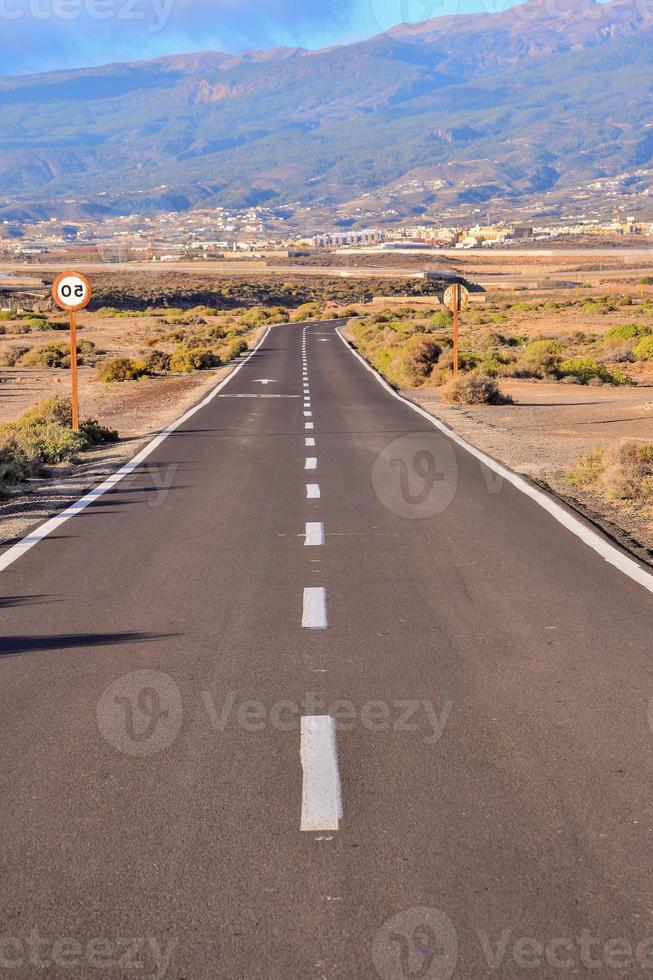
[72,292]
[456,300]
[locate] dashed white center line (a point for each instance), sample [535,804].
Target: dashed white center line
[314,535]
[312,491]
[311,463]
[309,425]
[321,792]
[308,415]
[315,609]
[309,441]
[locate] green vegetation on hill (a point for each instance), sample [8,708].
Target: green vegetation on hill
[512,105]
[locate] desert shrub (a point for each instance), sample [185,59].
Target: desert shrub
[490,338]
[97,434]
[419,358]
[15,464]
[57,409]
[587,469]
[443,320]
[626,331]
[237,347]
[443,371]
[121,369]
[43,435]
[494,363]
[52,442]
[55,355]
[643,351]
[475,389]
[545,345]
[184,360]
[601,305]
[624,472]
[541,359]
[308,311]
[13,355]
[157,362]
[587,369]
[617,355]
[37,323]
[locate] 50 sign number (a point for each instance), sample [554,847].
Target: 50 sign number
[71,291]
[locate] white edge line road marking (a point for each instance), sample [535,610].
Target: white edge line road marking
[311,463]
[321,790]
[314,535]
[312,491]
[309,441]
[45,530]
[628,566]
[315,609]
[309,425]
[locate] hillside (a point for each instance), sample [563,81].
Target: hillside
[533,103]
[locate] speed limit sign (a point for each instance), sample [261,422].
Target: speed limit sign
[71,291]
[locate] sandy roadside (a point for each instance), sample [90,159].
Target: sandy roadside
[547,429]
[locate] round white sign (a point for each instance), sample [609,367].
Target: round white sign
[449,298]
[71,291]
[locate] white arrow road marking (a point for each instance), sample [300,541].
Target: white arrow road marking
[312,491]
[314,535]
[311,463]
[321,790]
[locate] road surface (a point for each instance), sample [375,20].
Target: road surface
[314,693]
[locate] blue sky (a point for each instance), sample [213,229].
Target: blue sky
[40,35]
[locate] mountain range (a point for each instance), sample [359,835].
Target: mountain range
[549,101]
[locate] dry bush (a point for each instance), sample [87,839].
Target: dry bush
[623,472]
[474,389]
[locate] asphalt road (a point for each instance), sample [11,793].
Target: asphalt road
[399,729]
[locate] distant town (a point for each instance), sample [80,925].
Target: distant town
[219,233]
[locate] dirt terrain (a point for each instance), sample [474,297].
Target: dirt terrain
[548,428]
